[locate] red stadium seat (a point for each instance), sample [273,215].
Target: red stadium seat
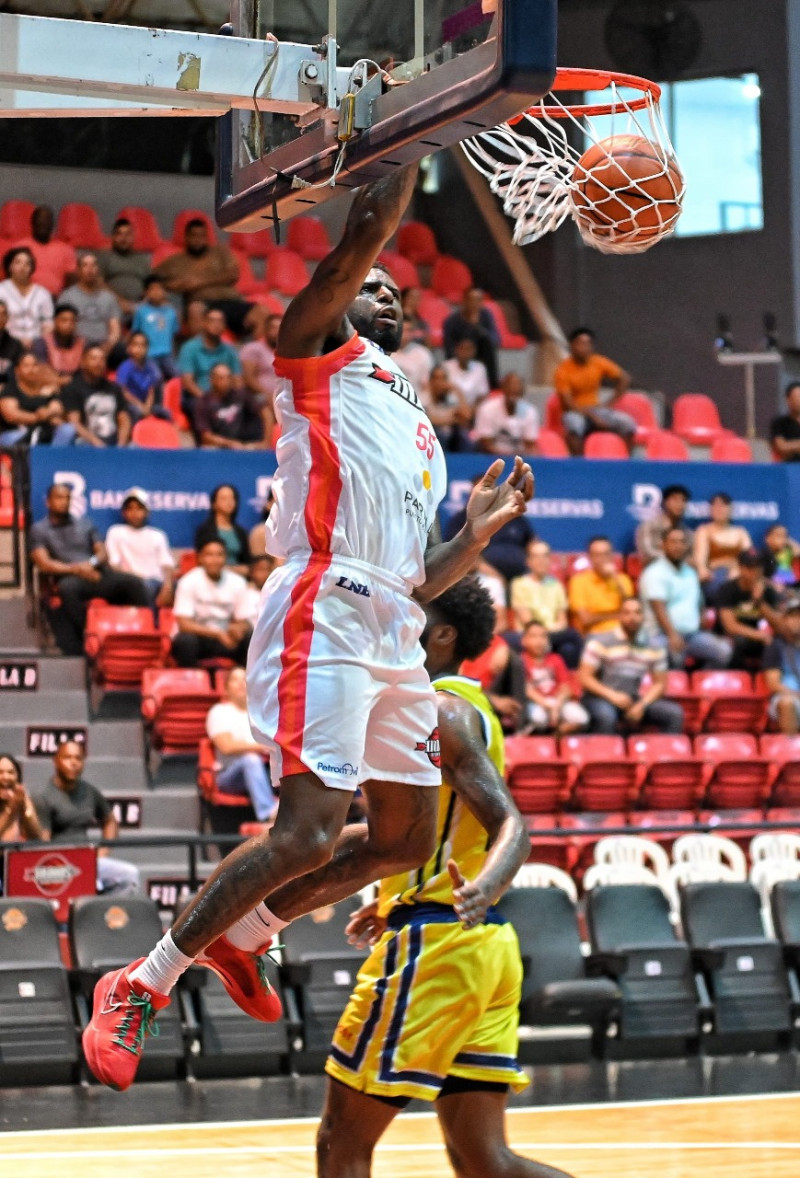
[633,566]
[146,233]
[253,245]
[552,414]
[79,225]
[508,338]
[551,445]
[589,828]
[640,408]
[308,236]
[285,271]
[679,689]
[539,780]
[15,219]
[605,778]
[554,849]
[604,445]
[165,250]
[450,278]
[663,446]
[175,702]
[674,777]
[434,311]
[186,562]
[742,838]
[120,642]
[247,284]
[402,270]
[416,241]
[695,418]
[678,822]
[731,450]
[182,220]
[740,777]
[154,433]
[171,395]
[730,704]
[784,754]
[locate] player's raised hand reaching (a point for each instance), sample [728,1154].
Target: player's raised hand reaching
[493,504]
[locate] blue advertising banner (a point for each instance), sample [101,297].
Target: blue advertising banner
[574,500]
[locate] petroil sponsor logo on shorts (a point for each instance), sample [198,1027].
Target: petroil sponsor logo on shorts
[431,748]
[345,770]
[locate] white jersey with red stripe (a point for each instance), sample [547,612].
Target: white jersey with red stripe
[360,470]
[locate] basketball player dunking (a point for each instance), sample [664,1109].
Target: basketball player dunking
[336,680]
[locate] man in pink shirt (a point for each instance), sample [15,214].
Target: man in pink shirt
[55,260]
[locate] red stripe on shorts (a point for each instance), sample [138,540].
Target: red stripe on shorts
[311,388]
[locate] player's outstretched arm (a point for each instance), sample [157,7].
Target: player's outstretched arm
[469,770]
[491,505]
[318,313]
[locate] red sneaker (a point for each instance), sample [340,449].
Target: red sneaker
[123,1015]
[245,978]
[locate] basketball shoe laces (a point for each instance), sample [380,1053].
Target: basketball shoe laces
[261,966]
[139,1008]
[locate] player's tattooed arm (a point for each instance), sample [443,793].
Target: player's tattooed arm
[318,313]
[470,771]
[491,505]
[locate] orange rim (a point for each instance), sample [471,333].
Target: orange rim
[578,79]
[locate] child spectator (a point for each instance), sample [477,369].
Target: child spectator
[552,706]
[780,552]
[138,377]
[158,320]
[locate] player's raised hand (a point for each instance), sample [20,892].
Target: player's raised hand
[365,927]
[469,900]
[491,504]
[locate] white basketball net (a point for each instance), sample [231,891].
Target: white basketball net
[530,165]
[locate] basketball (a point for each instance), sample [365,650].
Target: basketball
[626,189]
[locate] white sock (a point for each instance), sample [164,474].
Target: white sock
[163,968]
[255,929]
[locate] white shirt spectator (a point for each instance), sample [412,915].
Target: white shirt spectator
[28,315]
[211,603]
[226,717]
[417,362]
[507,430]
[472,380]
[143,551]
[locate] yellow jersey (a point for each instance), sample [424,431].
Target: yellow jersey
[459,834]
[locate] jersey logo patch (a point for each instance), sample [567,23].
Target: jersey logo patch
[431,748]
[353,587]
[397,384]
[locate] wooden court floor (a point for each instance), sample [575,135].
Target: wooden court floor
[728,1137]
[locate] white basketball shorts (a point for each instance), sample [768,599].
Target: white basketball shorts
[336,681]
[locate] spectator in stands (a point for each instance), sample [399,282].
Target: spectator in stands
[673,602]
[410,297]
[158,319]
[781,665]
[447,409]
[70,807]
[199,355]
[596,594]
[62,348]
[135,547]
[507,424]
[230,417]
[211,609]
[19,821]
[552,706]
[476,322]
[624,678]
[415,360]
[260,569]
[578,380]
[99,316]
[506,551]
[139,378]
[747,605]
[467,374]
[785,429]
[651,532]
[95,405]
[206,273]
[71,551]
[241,768]
[257,538]
[31,410]
[220,524]
[258,370]
[56,261]
[29,306]
[537,596]
[10,348]
[780,553]
[124,269]
[718,545]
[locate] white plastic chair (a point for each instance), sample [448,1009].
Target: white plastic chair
[776,846]
[624,849]
[542,875]
[604,874]
[765,873]
[705,857]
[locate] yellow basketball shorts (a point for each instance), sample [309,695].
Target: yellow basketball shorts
[432,1000]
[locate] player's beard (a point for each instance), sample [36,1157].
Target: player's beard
[385,336]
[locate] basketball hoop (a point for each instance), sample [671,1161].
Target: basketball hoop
[619,181]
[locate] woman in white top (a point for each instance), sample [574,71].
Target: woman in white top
[30,306]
